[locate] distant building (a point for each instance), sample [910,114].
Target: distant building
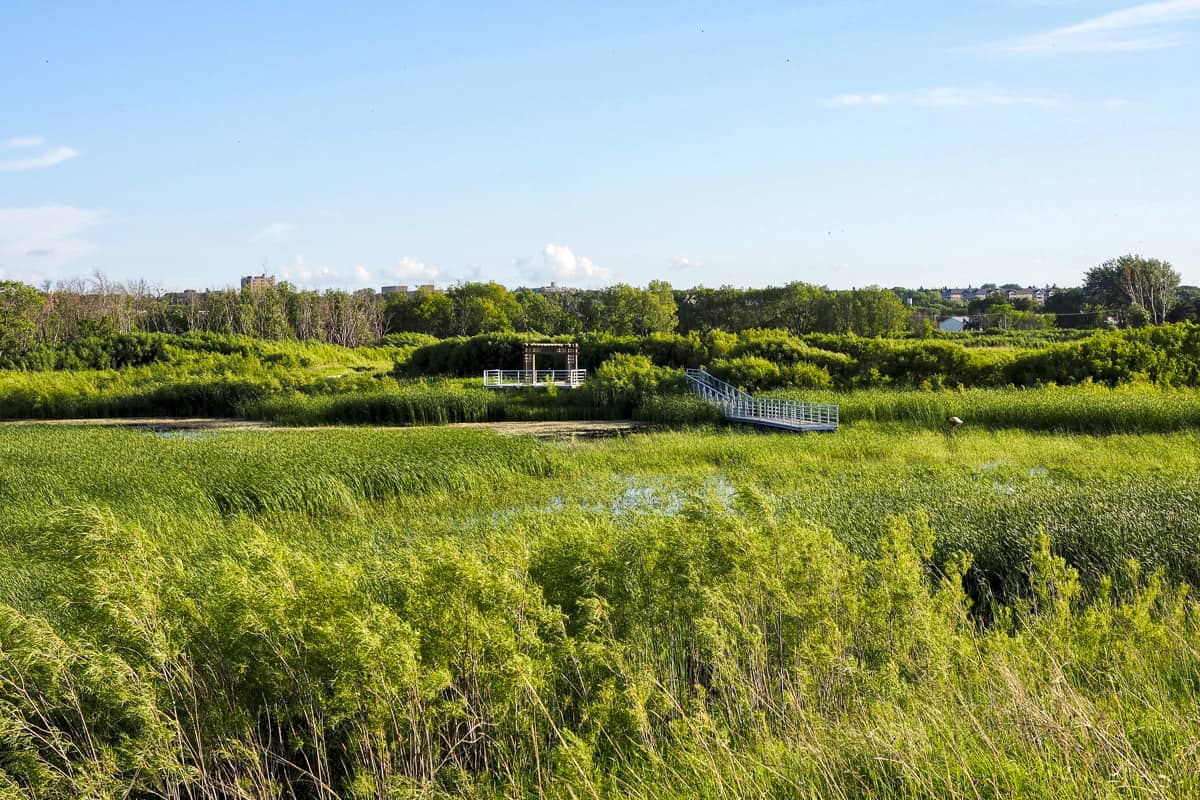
[187,296]
[953,324]
[554,289]
[263,281]
[1037,294]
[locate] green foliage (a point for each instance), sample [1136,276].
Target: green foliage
[312,383]
[352,613]
[626,380]
[1086,408]
[18,333]
[1141,289]
[753,374]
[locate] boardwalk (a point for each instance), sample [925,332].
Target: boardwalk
[533,378]
[738,406]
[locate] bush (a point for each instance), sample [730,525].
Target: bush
[626,380]
[749,373]
[805,376]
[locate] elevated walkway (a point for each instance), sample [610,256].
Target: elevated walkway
[529,377]
[533,378]
[738,406]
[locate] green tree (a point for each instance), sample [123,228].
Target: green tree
[1187,305]
[866,312]
[1130,281]
[484,308]
[541,314]
[660,313]
[1073,309]
[626,310]
[1103,287]
[1150,284]
[19,305]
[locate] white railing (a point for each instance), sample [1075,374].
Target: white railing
[738,405]
[509,378]
[792,413]
[713,389]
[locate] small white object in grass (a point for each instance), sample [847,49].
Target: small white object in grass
[954,422]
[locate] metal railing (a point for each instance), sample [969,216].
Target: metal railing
[512,378]
[739,406]
[713,389]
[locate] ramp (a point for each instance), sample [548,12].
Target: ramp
[738,406]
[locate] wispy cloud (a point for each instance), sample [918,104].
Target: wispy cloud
[31,152]
[34,242]
[861,100]
[275,232]
[1147,26]
[946,97]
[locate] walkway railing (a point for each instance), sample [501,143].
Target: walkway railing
[515,378]
[739,406]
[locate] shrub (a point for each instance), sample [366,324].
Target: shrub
[750,373]
[625,380]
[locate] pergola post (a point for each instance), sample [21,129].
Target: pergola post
[530,364]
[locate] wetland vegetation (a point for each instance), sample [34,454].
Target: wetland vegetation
[890,611]
[895,610]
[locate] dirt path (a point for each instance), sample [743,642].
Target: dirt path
[541,430]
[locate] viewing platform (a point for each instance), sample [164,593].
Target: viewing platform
[530,377]
[526,378]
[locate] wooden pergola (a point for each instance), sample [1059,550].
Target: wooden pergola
[530,375]
[534,349]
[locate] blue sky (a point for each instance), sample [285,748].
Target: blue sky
[842,142]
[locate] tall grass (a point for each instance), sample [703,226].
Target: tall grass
[436,613]
[1087,408]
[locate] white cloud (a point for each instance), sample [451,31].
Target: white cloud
[409,270]
[947,97]
[562,264]
[320,276]
[1147,26]
[307,275]
[14,155]
[34,242]
[275,232]
[683,263]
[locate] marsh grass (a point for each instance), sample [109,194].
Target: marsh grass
[888,612]
[1087,408]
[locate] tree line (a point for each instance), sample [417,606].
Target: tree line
[1130,290]
[71,311]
